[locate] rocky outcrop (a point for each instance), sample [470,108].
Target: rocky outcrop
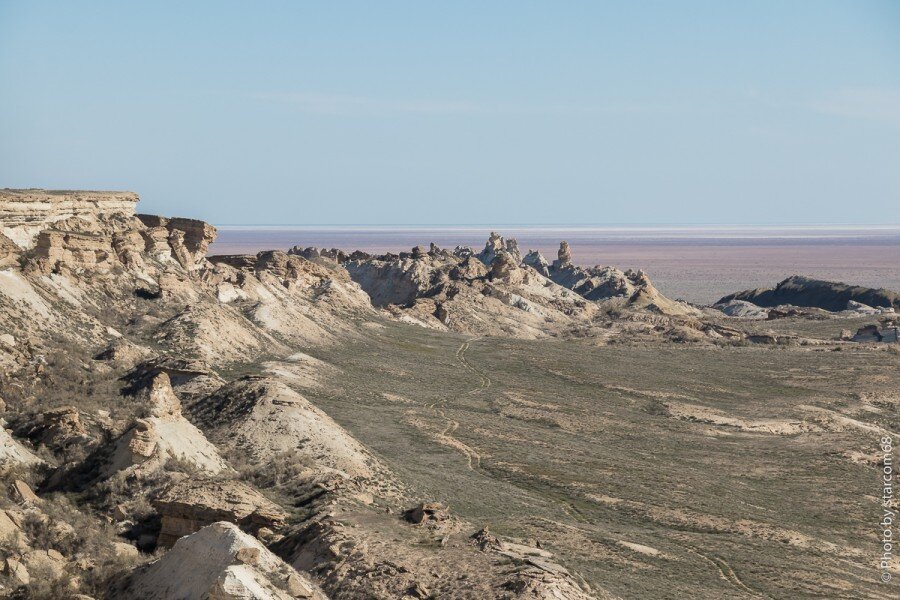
[261,417]
[294,299]
[163,435]
[469,269]
[13,454]
[390,280]
[60,429]
[564,256]
[219,562]
[184,240]
[324,255]
[487,292]
[876,334]
[25,213]
[189,378]
[95,231]
[74,250]
[742,309]
[828,295]
[497,245]
[190,505]
[536,261]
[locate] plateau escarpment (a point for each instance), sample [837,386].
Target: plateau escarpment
[26,213]
[333,424]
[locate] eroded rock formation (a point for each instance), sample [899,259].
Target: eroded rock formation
[190,505]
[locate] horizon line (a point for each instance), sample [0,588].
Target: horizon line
[591,226]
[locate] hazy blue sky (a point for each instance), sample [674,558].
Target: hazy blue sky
[460,112]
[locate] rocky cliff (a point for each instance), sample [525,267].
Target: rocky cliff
[25,213]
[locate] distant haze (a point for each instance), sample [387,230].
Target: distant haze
[466,112]
[698,264]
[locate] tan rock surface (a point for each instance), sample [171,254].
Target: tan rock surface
[205,565]
[164,435]
[24,213]
[188,506]
[261,417]
[14,453]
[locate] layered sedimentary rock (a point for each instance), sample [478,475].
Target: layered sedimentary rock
[186,240]
[190,505]
[25,213]
[94,231]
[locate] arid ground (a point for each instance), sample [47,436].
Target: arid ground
[655,471]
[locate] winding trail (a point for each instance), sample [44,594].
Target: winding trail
[727,573]
[445,437]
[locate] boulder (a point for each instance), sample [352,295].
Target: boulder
[22,493]
[46,562]
[425,512]
[873,334]
[14,453]
[210,564]
[17,571]
[10,532]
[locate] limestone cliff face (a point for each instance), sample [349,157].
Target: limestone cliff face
[97,231]
[184,239]
[25,213]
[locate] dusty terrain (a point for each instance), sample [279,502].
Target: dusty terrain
[437,423]
[654,471]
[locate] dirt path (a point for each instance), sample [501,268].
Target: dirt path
[444,437]
[485,381]
[727,573]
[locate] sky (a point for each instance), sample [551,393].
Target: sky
[532,113]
